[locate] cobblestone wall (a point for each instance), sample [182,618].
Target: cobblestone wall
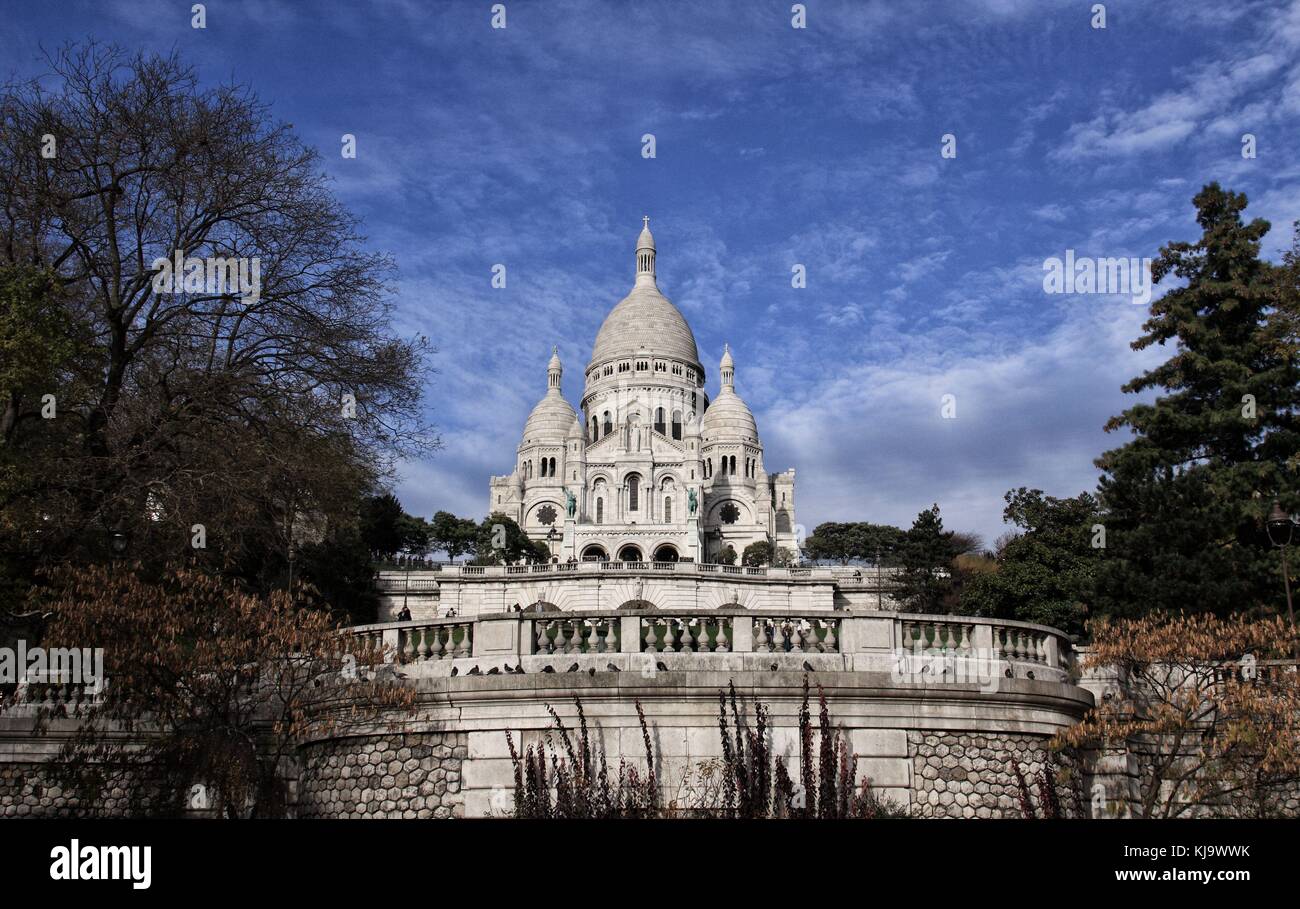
[971,775]
[384,776]
[28,790]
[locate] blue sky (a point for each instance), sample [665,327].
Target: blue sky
[775,146]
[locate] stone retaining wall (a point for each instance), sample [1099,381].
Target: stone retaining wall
[384,776]
[957,774]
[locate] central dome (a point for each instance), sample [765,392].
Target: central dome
[645,322]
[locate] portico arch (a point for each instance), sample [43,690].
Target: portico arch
[595,553]
[630,553]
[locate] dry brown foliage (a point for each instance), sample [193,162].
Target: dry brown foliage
[211,686]
[1210,705]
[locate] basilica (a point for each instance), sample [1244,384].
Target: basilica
[650,469]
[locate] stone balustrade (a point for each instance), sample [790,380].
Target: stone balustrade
[835,641]
[396,579]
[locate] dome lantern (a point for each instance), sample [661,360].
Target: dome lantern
[554,370]
[645,255]
[727,368]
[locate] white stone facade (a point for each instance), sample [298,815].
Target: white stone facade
[651,471]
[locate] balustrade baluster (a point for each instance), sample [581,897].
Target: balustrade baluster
[651,636]
[830,645]
[687,636]
[435,647]
[408,646]
[670,636]
[559,637]
[792,631]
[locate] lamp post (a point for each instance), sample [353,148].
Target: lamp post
[1281,526]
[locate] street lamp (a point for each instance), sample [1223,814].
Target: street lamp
[1281,526]
[118,541]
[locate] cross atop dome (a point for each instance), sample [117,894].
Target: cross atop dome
[645,255]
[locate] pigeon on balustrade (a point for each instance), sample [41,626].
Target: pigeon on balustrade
[661,666]
[808,667]
[454,670]
[494,671]
[774,667]
[548,668]
[573,668]
[612,668]
[518,670]
[475,671]
[591,671]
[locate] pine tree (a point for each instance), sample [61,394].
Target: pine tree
[926,556]
[1185,499]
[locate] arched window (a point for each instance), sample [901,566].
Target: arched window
[659,421]
[668,509]
[544,462]
[609,424]
[552,473]
[595,428]
[733,464]
[633,491]
[677,424]
[600,511]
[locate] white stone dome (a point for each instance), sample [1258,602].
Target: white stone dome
[728,418]
[645,323]
[550,422]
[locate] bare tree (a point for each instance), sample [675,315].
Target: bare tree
[203,403]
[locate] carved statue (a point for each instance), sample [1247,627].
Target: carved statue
[571,502]
[691,501]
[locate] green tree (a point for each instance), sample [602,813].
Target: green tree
[38,342]
[727,556]
[1185,499]
[929,581]
[861,540]
[758,554]
[500,541]
[340,569]
[1045,572]
[415,533]
[381,524]
[452,535]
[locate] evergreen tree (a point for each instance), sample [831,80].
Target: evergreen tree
[1046,572]
[382,524]
[1186,498]
[926,558]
